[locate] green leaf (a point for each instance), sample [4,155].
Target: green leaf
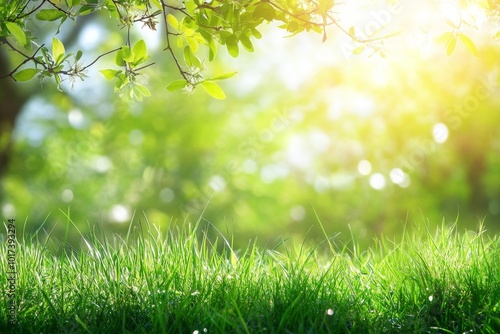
[232,46]
[156,3]
[143,90]
[264,11]
[352,31]
[325,6]
[58,81]
[358,50]
[49,15]
[119,58]
[122,81]
[190,59]
[213,90]
[173,21]
[469,44]
[451,46]
[188,32]
[450,41]
[17,32]
[223,76]
[193,44]
[212,49]
[139,53]
[110,74]
[127,54]
[180,42]
[292,26]
[57,50]
[444,38]
[139,50]
[256,33]
[78,55]
[72,3]
[247,44]
[85,10]
[26,74]
[176,85]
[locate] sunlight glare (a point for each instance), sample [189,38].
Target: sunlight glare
[474,14]
[346,101]
[451,11]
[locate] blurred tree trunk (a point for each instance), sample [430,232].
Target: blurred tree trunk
[11,99]
[11,102]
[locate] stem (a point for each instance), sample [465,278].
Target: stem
[169,46]
[99,57]
[28,58]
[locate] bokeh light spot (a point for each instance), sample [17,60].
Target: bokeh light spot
[101,164]
[167,195]
[364,167]
[440,133]
[136,137]
[76,118]
[67,195]
[377,181]
[297,213]
[399,177]
[120,213]
[217,183]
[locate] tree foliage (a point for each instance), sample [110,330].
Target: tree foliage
[194,30]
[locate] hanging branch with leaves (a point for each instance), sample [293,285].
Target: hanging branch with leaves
[193,29]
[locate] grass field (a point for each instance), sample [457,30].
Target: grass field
[179,282]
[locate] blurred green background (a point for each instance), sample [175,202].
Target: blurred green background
[367,145]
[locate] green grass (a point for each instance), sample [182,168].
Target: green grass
[179,282]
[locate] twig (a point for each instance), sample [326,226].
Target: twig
[169,46]
[28,58]
[99,57]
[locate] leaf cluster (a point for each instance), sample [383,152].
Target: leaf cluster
[194,31]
